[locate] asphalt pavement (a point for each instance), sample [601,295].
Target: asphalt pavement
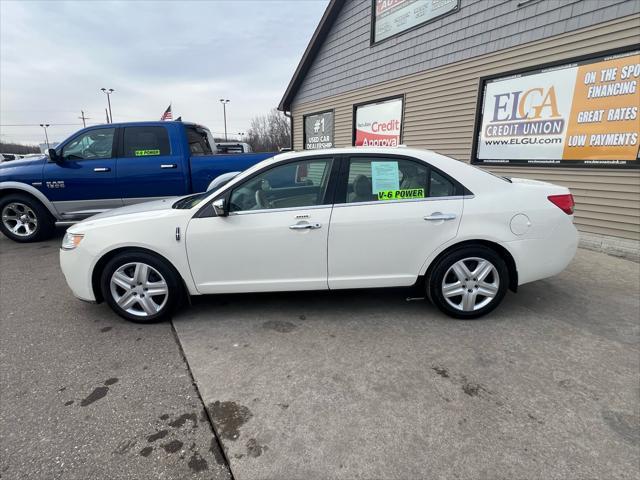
[321,385]
[85,395]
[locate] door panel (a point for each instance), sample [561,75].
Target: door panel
[259,251]
[148,166]
[385,244]
[84,182]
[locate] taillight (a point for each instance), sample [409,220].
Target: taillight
[563,202]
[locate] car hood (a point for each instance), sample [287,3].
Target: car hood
[22,162]
[153,206]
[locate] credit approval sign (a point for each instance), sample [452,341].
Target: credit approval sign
[584,113]
[378,124]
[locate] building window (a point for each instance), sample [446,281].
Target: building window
[378,123]
[319,130]
[583,112]
[392,17]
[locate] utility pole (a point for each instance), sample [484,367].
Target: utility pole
[83,118]
[107,115]
[108,92]
[46,137]
[224,109]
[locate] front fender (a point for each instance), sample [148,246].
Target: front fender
[33,191]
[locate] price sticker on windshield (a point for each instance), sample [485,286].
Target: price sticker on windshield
[145,153]
[403,194]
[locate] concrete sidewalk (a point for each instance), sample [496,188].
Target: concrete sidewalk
[362,384]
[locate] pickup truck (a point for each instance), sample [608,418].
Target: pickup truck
[109,166]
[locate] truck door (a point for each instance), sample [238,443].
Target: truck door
[83,183]
[150,165]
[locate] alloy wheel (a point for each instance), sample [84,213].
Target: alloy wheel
[470,284]
[19,219]
[139,289]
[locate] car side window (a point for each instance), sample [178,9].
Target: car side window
[439,186]
[94,144]
[146,141]
[297,184]
[383,179]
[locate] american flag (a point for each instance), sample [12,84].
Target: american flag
[167,115]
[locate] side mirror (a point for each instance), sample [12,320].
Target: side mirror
[220,207]
[54,156]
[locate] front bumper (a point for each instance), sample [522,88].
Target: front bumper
[77,266]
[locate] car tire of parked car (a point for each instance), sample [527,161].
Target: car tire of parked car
[24,219]
[141,287]
[468,282]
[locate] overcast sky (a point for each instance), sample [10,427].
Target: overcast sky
[55,56]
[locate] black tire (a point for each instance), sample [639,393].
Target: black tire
[175,291]
[43,220]
[442,267]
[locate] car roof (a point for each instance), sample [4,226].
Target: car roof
[435,159]
[145,124]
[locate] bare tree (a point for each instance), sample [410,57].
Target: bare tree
[18,148]
[270,132]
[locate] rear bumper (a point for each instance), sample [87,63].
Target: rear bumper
[544,257]
[76,267]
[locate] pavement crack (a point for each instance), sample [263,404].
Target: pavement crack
[221,454]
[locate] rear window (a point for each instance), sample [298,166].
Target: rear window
[146,141]
[199,141]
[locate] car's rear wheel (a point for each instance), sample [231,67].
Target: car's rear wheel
[468,282]
[141,287]
[24,219]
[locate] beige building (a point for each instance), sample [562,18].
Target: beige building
[473,79]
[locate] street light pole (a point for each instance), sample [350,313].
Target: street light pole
[224,109]
[46,137]
[109,91]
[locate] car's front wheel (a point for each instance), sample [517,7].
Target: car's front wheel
[141,287]
[469,282]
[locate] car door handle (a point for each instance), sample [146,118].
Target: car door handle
[102,169]
[436,216]
[168,165]
[305,226]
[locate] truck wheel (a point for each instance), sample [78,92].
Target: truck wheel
[24,219]
[140,287]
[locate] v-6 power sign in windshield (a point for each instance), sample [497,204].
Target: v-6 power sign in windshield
[584,113]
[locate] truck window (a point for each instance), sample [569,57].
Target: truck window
[94,144]
[198,141]
[146,141]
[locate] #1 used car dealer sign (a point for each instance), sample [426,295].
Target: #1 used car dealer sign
[584,113]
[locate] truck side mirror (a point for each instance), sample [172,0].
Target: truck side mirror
[54,156]
[220,207]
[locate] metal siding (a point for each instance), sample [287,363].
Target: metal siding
[346,60]
[440,111]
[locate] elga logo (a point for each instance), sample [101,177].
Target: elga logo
[521,113]
[55,184]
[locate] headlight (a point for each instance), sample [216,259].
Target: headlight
[71,240]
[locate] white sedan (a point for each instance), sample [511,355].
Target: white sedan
[329,219]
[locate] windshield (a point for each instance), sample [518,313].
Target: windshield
[190,201]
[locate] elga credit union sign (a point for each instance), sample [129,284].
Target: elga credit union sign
[318,130]
[378,124]
[584,113]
